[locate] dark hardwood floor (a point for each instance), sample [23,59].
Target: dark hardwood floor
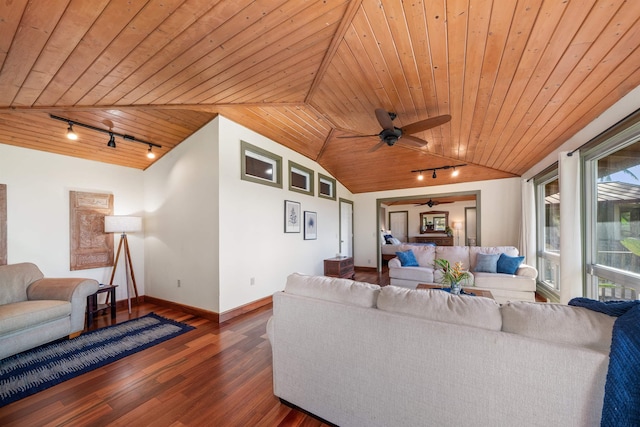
[215,375]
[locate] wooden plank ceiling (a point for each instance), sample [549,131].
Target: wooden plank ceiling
[517,77]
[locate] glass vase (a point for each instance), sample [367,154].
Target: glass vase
[456,287]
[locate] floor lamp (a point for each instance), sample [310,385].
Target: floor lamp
[124,224]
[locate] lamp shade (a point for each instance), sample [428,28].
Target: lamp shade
[457,225]
[122,224]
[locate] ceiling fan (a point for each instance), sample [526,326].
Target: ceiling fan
[432,203]
[391,134]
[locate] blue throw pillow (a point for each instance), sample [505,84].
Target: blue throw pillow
[487,263]
[509,264]
[407,259]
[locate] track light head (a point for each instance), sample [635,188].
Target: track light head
[70,133]
[112,141]
[434,176]
[151,154]
[455,172]
[420,177]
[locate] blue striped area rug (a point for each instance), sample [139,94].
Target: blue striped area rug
[35,370]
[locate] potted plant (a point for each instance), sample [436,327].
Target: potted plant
[452,276]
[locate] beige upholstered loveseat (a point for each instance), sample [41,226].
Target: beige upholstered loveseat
[520,286]
[35,310]
[356,354]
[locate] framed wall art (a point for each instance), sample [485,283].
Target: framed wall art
[310,225]
[91,247]
[292,219]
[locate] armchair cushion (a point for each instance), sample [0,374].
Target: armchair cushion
[23,315]
[14,280]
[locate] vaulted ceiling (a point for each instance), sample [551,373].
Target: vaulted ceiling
[517,77]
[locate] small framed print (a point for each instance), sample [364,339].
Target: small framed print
[310,225]
[292,218]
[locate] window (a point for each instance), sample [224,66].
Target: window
[548,230]
[260,166]
[326,187]
[300,179]
[612,182]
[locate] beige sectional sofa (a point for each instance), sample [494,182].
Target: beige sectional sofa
[35,310]
[356,354]
[520,286]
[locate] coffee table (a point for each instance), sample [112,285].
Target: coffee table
[479,292]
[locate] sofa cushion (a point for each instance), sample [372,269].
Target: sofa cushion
[509,264]
[441,306]
[418,274]
[425,255]
[333,289]
[486,263]
[407,258]
[454,254]
[26,314]
[504,281]
[580,326]
[14,280]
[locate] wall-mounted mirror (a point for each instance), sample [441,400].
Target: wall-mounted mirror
[434,221]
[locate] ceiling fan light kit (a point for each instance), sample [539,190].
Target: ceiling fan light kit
[112,141]
[435,175]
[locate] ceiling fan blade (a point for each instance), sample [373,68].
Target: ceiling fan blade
[375,147]
[426,124]
[384,119]
[357,136]
[412,140]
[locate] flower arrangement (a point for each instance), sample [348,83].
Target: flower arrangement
[448,231]
[451,275]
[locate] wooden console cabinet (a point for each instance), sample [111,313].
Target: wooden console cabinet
[339,267]
[443,240]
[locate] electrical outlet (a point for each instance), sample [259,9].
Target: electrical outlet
[252,281]
[179,284]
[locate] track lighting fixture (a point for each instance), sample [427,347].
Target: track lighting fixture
[70,133]
[112,141]
[435,175]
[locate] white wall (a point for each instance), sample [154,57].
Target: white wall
[181,241]
[216,232]
[38,185]
[499,211]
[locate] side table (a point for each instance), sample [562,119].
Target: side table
[339,267]
[92,303]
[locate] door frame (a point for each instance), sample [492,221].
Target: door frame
[340,231]
[380,202]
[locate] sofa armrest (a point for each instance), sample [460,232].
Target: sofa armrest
[527,271]
[74,290]
[394,262]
